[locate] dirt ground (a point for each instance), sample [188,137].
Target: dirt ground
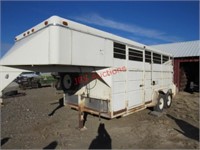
[36,121]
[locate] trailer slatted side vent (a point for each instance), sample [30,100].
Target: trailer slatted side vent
[135,55]
[165,58]
[156,58]
[119,51]
[148,56]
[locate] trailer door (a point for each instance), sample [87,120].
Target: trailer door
[135,77]
[148,90]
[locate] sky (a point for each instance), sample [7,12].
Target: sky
[147,22]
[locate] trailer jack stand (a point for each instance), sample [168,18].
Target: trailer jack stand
[81,121]
[81,116]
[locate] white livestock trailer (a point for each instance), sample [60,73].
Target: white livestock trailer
[99,72]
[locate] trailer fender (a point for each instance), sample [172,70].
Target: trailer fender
[161,92]
[154,99]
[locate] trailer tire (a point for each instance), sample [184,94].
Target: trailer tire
[161,103]
[168,100]
[68,82]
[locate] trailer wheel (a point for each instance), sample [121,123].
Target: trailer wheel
[161,103]
[168,100]
[66,82]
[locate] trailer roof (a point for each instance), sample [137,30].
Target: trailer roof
[55,20]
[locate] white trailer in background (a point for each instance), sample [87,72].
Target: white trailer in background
[99,72]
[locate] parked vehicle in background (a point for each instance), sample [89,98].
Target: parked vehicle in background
[34,80]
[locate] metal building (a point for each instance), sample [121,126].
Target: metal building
[186,63]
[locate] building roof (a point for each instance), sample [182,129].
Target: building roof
[181,49]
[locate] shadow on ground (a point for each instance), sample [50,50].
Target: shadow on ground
[4,140]
[5,96]
[60,105]
[188,130]
[52,145]
[102,140]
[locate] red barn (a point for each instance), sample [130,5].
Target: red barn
[186,63]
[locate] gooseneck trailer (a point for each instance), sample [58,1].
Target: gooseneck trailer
[99,72]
